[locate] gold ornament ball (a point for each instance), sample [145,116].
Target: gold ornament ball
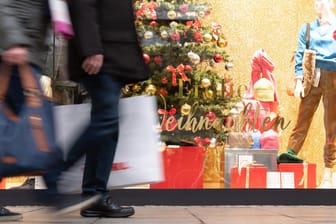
[136,88]
[209,93]
[164,34]
[185,109]
[207,37]
[171,14]
[205,82]
[221,42]
[150,89]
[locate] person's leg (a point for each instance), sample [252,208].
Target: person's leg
[100,142]
[307,108]
[328,81]
[8,216]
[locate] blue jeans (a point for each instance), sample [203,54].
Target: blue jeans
[99,140]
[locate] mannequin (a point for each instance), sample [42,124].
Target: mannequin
[324,86]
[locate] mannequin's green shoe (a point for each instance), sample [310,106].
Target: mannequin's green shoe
[289,157]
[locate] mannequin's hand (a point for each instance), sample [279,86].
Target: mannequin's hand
[299,91]
[92,64]
[15,55]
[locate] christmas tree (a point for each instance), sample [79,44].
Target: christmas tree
[185,58]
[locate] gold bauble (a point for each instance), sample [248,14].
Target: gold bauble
[136,88]
[171,14]
[205,82]
[185,109]
[221,42]
[207,37]
[150,89]
[164,34]
[209,93]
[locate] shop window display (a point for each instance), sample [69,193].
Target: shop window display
[214,98]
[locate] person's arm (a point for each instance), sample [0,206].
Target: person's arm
[14,43]
[11,30]
[299,90]
[84,17]
[87,34]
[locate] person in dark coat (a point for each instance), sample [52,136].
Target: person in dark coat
[103,56]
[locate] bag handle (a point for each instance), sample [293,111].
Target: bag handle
[30,87]
[307,35]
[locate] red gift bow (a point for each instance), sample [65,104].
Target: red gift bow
[180,70]
[201,142]
[171,112]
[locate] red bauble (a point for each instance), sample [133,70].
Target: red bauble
[184,8]
[188,68]
[211,116]
[163,92]
[198,36]
[218,58]
[153,24]
[334,35]
[164,80]
[146,57]
[175,36]
[158,60]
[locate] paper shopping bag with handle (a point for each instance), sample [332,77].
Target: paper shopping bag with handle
[137,159]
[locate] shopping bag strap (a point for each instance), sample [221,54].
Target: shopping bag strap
[30,87]
[4,80]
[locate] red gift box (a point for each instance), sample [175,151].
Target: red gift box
[2,183]
[249,177]
[183,167]
[304,173]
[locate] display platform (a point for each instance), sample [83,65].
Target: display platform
[140,197]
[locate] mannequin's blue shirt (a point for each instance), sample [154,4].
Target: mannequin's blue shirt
[321,41]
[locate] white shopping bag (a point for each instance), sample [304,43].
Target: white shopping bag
[137,159]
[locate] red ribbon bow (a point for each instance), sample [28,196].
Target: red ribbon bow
[180,70]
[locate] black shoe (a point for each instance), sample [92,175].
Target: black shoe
[8,216]
[69,203]
[108,209]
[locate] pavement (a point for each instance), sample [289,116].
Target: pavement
[193,215]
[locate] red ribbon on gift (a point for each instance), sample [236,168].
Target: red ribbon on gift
[180,70]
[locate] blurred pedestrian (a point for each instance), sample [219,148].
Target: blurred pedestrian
[104,55]
[23,31]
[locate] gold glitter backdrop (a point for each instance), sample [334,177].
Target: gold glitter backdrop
[272,25]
